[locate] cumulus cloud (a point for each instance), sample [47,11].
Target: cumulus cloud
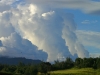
[5,24]
[29,25]
[71,39]
[44,29]
[15,46]
[6,5]
[11,43]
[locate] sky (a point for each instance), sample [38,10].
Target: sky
[50,29]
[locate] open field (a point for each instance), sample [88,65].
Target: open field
[74,71]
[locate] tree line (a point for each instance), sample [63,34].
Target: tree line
[44,68]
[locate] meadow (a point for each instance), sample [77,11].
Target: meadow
[76,71]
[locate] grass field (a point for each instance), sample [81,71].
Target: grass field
[74,71]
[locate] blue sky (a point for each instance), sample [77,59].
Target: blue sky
[93,23]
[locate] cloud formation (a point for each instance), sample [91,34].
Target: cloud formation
[87,6]
[36,31]
[89,22]
[89,38]
[6,5]
[15,46]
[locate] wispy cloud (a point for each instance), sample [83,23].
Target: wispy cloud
[89,22]
[94,54]
[87,6]
[89,38]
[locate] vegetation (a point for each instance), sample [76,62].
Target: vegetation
[77,71]
[15,61]
[85,66]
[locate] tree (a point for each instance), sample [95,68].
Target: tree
[31,70]
[1,67]
[45,67]
[98,63]
[20,68]
[69,63]
[79,62]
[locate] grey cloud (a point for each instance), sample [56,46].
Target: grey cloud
[15,46]
[1,43]
[89,38]
[87,6]
[6,27]
[97,12]
[5,5]
[4,8]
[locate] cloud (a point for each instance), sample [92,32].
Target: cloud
[5,24]
[94,55]
[75,47]
[15,46]
[87,6]
[0,43]
[89,38]
[6,5]
[44,28]
[89,22]
[86,22]
[30,25]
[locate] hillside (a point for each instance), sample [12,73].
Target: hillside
[16,60]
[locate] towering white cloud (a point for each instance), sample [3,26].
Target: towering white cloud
[44,29]
[52,31]
[12,44]
[71,39]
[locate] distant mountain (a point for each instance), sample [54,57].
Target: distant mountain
[16,60]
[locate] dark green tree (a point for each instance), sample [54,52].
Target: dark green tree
[69,63]
[79,62]
[44,67]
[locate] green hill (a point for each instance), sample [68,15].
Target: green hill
[15,61]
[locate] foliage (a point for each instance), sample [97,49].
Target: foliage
[45,68]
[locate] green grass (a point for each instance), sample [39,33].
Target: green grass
[75,71]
